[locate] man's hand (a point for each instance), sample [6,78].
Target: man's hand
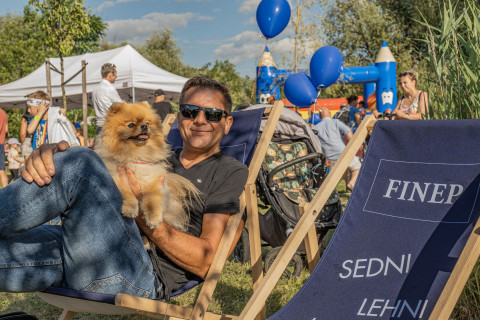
[39,166]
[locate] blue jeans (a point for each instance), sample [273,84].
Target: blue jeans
[95,249]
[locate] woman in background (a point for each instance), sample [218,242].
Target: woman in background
[414,103]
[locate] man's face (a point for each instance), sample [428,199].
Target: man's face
[112,76]
[200,135]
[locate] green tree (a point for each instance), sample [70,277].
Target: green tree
[409,14]
[162,50]
[23,48]
[357,28]
[224,71]
[68,28]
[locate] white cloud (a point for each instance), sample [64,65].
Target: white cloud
[244,46]
[251,21]
[248,47]
[137,30]
[105,5]
[205,18]
[248,6]
[109,4]
[192,0]
[282,46]
[217,10]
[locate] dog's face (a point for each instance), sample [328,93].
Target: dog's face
[133,131]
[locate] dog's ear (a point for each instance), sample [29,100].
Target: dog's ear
[145,104]
[116,107]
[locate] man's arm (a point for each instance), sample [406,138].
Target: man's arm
[349,135]
[194,254]
[189,252]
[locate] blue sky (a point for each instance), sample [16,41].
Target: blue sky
[205,30]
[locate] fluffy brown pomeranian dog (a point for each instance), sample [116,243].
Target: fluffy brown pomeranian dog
[132,137]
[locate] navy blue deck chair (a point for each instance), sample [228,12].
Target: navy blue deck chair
[243,143]
[409,237]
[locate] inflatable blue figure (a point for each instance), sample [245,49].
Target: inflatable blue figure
[382,74]
[379,77]
[270,78]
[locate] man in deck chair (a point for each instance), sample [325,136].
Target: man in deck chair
[97,249]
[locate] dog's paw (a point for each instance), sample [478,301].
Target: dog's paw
[153,222]
[146,243]
[130,210]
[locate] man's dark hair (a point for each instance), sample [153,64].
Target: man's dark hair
[107,68]
[206,82]
[352,98]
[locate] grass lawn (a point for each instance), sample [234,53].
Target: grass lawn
[232,294]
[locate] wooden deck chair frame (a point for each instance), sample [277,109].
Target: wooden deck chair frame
[264,285]
[127,304]
[167,123]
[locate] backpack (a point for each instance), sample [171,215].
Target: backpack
[343,115]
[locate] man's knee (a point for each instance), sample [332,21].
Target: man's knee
[78,159]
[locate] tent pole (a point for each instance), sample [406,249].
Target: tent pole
[133,94]
[84,102]
[49,80]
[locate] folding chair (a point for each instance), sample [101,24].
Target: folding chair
[167,123]
[408,239]
[240,143]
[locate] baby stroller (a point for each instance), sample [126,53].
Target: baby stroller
[292,172]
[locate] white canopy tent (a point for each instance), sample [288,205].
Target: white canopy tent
[137,79]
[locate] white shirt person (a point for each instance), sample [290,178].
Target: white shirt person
[105,94]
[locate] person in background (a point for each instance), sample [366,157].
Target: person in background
[105,94]
[38,103]
[79,134]
[14,159]
[25,138]
[414,103]
[161,107]
[49,124]
[330,132]
[361,105]
[3,133]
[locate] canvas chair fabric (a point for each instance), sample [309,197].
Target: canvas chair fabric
[241,141]
[412,211]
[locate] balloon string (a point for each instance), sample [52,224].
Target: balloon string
[260,65]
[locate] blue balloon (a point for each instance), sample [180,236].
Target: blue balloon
[273,16]
[315,118]
[326,66]
[299,90]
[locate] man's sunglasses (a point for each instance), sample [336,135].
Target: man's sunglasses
[191,111]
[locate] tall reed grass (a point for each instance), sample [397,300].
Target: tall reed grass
[454,93]
[454,57]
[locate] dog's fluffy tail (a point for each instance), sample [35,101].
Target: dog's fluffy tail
[182,190]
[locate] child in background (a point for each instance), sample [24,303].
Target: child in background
[79,133]
[14,160]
